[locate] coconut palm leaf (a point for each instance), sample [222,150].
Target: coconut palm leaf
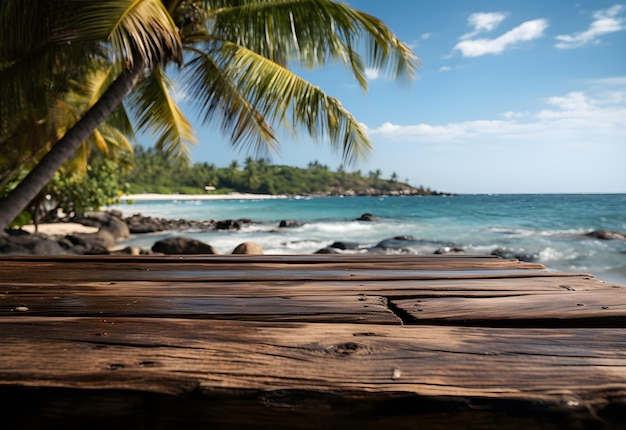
[312,33]
[157,111]
[132,27]
[217,99]
[283,97]
[34,61]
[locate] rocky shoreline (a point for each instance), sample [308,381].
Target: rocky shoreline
[109,228]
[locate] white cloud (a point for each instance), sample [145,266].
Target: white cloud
[445,68]
[573,101]
[371,73]
[482,21]
[511,114]
[578,117]
[526,31]
[426,36]
[605,21]
[612,81]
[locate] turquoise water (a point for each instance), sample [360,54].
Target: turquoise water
[549,228]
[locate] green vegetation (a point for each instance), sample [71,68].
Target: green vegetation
[232,56]
[101,184]
[156,173]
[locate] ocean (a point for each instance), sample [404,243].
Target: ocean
[547,228]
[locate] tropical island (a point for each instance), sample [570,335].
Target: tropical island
[154,172]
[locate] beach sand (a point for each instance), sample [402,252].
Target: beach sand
[230,196]
[60,228]
[67,228]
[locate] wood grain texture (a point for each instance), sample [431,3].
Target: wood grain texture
[308,342]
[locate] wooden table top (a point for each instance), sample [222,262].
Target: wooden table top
[316,341]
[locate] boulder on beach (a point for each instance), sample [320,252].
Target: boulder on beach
[289,223]
[345,245]
[520,255]
[30,244]
[87,244]
[116,227]
[249,248]
[141,224]
[182,245]
[232,224]
[366,217]
[328,250]
[138,224]
[20,242]
[606,235]
[396,242]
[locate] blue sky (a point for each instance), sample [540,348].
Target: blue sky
[512,97]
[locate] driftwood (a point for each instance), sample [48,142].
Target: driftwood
[308,342]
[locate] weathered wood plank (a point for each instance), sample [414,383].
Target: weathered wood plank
[607,306]
[269,268]
[263,288]
[177,355]
[270,341]
[432,360]
[332,308]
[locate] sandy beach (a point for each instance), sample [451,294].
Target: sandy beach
[60,228]
[66,228]
[230,196]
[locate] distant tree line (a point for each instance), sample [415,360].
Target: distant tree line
[154,172]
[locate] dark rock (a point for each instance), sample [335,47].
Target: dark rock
[405,238]
[16,232]
[345,245]
[606,235]
[396,242]
[31,244]
[288,223]
[228,224]
[515,255]
[328,250]
[91,244]
[138,224]
[182,245]
[249,248]
[74,240]
[96,249]
[366,217]
[65,243]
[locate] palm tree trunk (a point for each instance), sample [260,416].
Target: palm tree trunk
[19,198]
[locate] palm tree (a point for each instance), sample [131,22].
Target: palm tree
[232,55]
[33,138]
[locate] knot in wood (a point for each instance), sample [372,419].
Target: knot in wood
[346,348]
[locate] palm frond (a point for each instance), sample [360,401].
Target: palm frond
[217,99]
[313,33]
[96,84]
[158,112]
[131,26]
[278,95]
[34,59]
